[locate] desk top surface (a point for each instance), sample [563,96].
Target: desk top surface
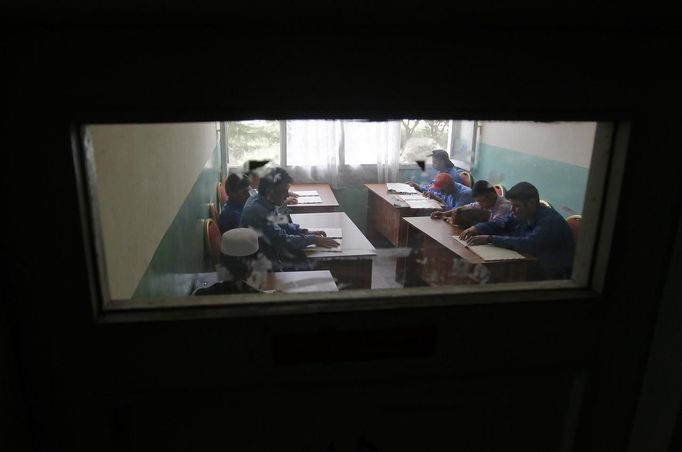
[391,198]
[442,232]
[395,200]
[325,191]
[354,241]
[287,282]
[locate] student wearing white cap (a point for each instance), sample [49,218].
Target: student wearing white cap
[242,265]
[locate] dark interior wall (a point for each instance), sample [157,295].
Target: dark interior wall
[87,381]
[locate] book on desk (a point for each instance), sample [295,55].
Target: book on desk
[306,193]
[309,200]
[399,187]
[491,252]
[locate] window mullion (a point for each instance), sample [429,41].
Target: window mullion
[282,143]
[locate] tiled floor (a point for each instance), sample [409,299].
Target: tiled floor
[383,274]
[383,270]
[383,267]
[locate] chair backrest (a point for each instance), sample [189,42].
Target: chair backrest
[213,212]
[467,178]
[221,194]
[575,222]
[501,191]
[212,239]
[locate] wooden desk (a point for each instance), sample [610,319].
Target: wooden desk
[329,202]
[352,267]
[438,259]
[385,211]
[287,282]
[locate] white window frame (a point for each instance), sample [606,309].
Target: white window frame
[467,165]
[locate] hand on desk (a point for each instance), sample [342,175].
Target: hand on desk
[468,233]
[325,242]
[428,194]
[414,185]
[291,200]
[291,194]
[447,215]
[479,240]
[320,233]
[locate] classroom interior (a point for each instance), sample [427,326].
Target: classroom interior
[158,186]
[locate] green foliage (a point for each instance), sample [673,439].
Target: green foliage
[245,137]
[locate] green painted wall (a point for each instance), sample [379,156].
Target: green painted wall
[561,184]
[181,251]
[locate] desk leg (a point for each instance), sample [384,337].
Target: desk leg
[401,266]
[411,265]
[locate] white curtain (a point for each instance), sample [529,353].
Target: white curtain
[374,143]
[313,148]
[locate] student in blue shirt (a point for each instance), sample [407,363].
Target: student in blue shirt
[280,241]
[237,193]
[449,192]
[531,228]
[440,160]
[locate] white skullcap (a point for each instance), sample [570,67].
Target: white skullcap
[239,242]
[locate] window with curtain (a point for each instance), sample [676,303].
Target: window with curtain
[327,144]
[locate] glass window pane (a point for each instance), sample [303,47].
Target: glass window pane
[314,142]
[418,137]
[253,140]
[462,139]
[370,142]
[524,213]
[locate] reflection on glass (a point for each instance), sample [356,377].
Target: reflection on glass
[411,204]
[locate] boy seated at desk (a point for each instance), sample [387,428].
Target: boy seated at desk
[440,160]
[487,206]
[281,241]
[253,177]
[530,228]
[448,192]
[237,193]
[242,268]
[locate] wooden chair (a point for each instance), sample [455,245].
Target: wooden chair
[575,222]
[213,212]
[221,194]
[212,239]
[467,178]
[501,191]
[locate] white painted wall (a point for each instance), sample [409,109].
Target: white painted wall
[144,173]
[567,142]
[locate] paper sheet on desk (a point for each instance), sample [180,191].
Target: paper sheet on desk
[306,193]
[491,252]
[398,187]
[309,200]
[412,197]
[423,204]
[332,233]
[337,249]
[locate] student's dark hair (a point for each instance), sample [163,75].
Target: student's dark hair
[482,188]
[234,183]
[275,177]
[523,191]
[239,267]
[252,165]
